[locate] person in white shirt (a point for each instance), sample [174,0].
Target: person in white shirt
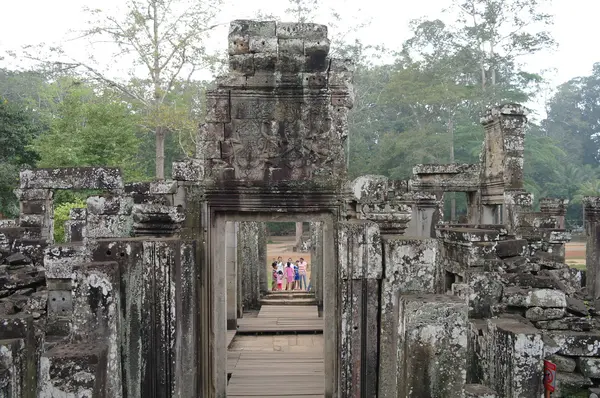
[302,268]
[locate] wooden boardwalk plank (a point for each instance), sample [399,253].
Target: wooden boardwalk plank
[278,374]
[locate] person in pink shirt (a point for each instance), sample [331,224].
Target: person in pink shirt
[302,267]
[289,274]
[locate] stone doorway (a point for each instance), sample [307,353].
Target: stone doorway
[217,267]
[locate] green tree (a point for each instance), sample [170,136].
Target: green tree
[91,130]
[17,130]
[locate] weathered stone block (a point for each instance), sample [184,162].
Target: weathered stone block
[585,344]
[109,205]
[18,368]
[242,63]
[577,306]
[239,44]
[570,384]
[589,367]
[189,170]
[432,346]
[74,370]
[545,298]
[34,206]
[96,307]
[243,27]
[479,391]
[514,358]
[60,260]
[410,267]
[316,47]
[360,250]
[217,107]
[72,178]
[569,323]
[563,364]
[410,264]
[511,248]
[484,290]
[261,44]
[109,226]
[544,314]
[293,30]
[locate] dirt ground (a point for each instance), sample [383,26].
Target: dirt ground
[575,254]
[282,246]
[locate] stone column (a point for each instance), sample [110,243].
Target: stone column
[432,346]
[592,259]
[516,203]
[264,276]
[249,262]
[96,310]
[502,157]
[426,206]
[409,267]
[37,212]
[232,284]
[18,356]
[238,275]
[360,256]
[316,261]
[473,208]
[514,358]
[556,208]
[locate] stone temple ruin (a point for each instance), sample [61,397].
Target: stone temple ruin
[137,303]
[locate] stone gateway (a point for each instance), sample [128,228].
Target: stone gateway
[138,302]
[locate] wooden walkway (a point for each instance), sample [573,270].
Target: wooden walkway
[261,373]
[283,319]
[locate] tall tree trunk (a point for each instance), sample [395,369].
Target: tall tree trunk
[160,153]
[299,232]
[453,200]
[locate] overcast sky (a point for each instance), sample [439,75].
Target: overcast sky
[575,28]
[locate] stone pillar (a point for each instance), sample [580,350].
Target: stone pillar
[360,256]
[473,208]
[592,259]
[18,356]
[232,274]
[517,202]
[239,275]
[96,316]
[409,267]
[250,263]
[556,208]
[75,226]
[514,358]
[432,346]
[316,261]
[264,276]
[111,217]
[426,219]
[502,158]
[299,232]
[74,370]
[37,211]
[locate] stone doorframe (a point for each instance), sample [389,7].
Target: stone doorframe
[214,209]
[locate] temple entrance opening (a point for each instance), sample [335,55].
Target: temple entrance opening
[275,341]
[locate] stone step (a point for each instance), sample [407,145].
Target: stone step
[287,301]
[289,295]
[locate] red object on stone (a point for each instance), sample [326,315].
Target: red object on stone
[549,376]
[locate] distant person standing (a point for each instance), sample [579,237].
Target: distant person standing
[280,265]
[296,276]
[289,275]
[302,268]
[274,275]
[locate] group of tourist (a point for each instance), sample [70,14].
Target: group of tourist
[293,273]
